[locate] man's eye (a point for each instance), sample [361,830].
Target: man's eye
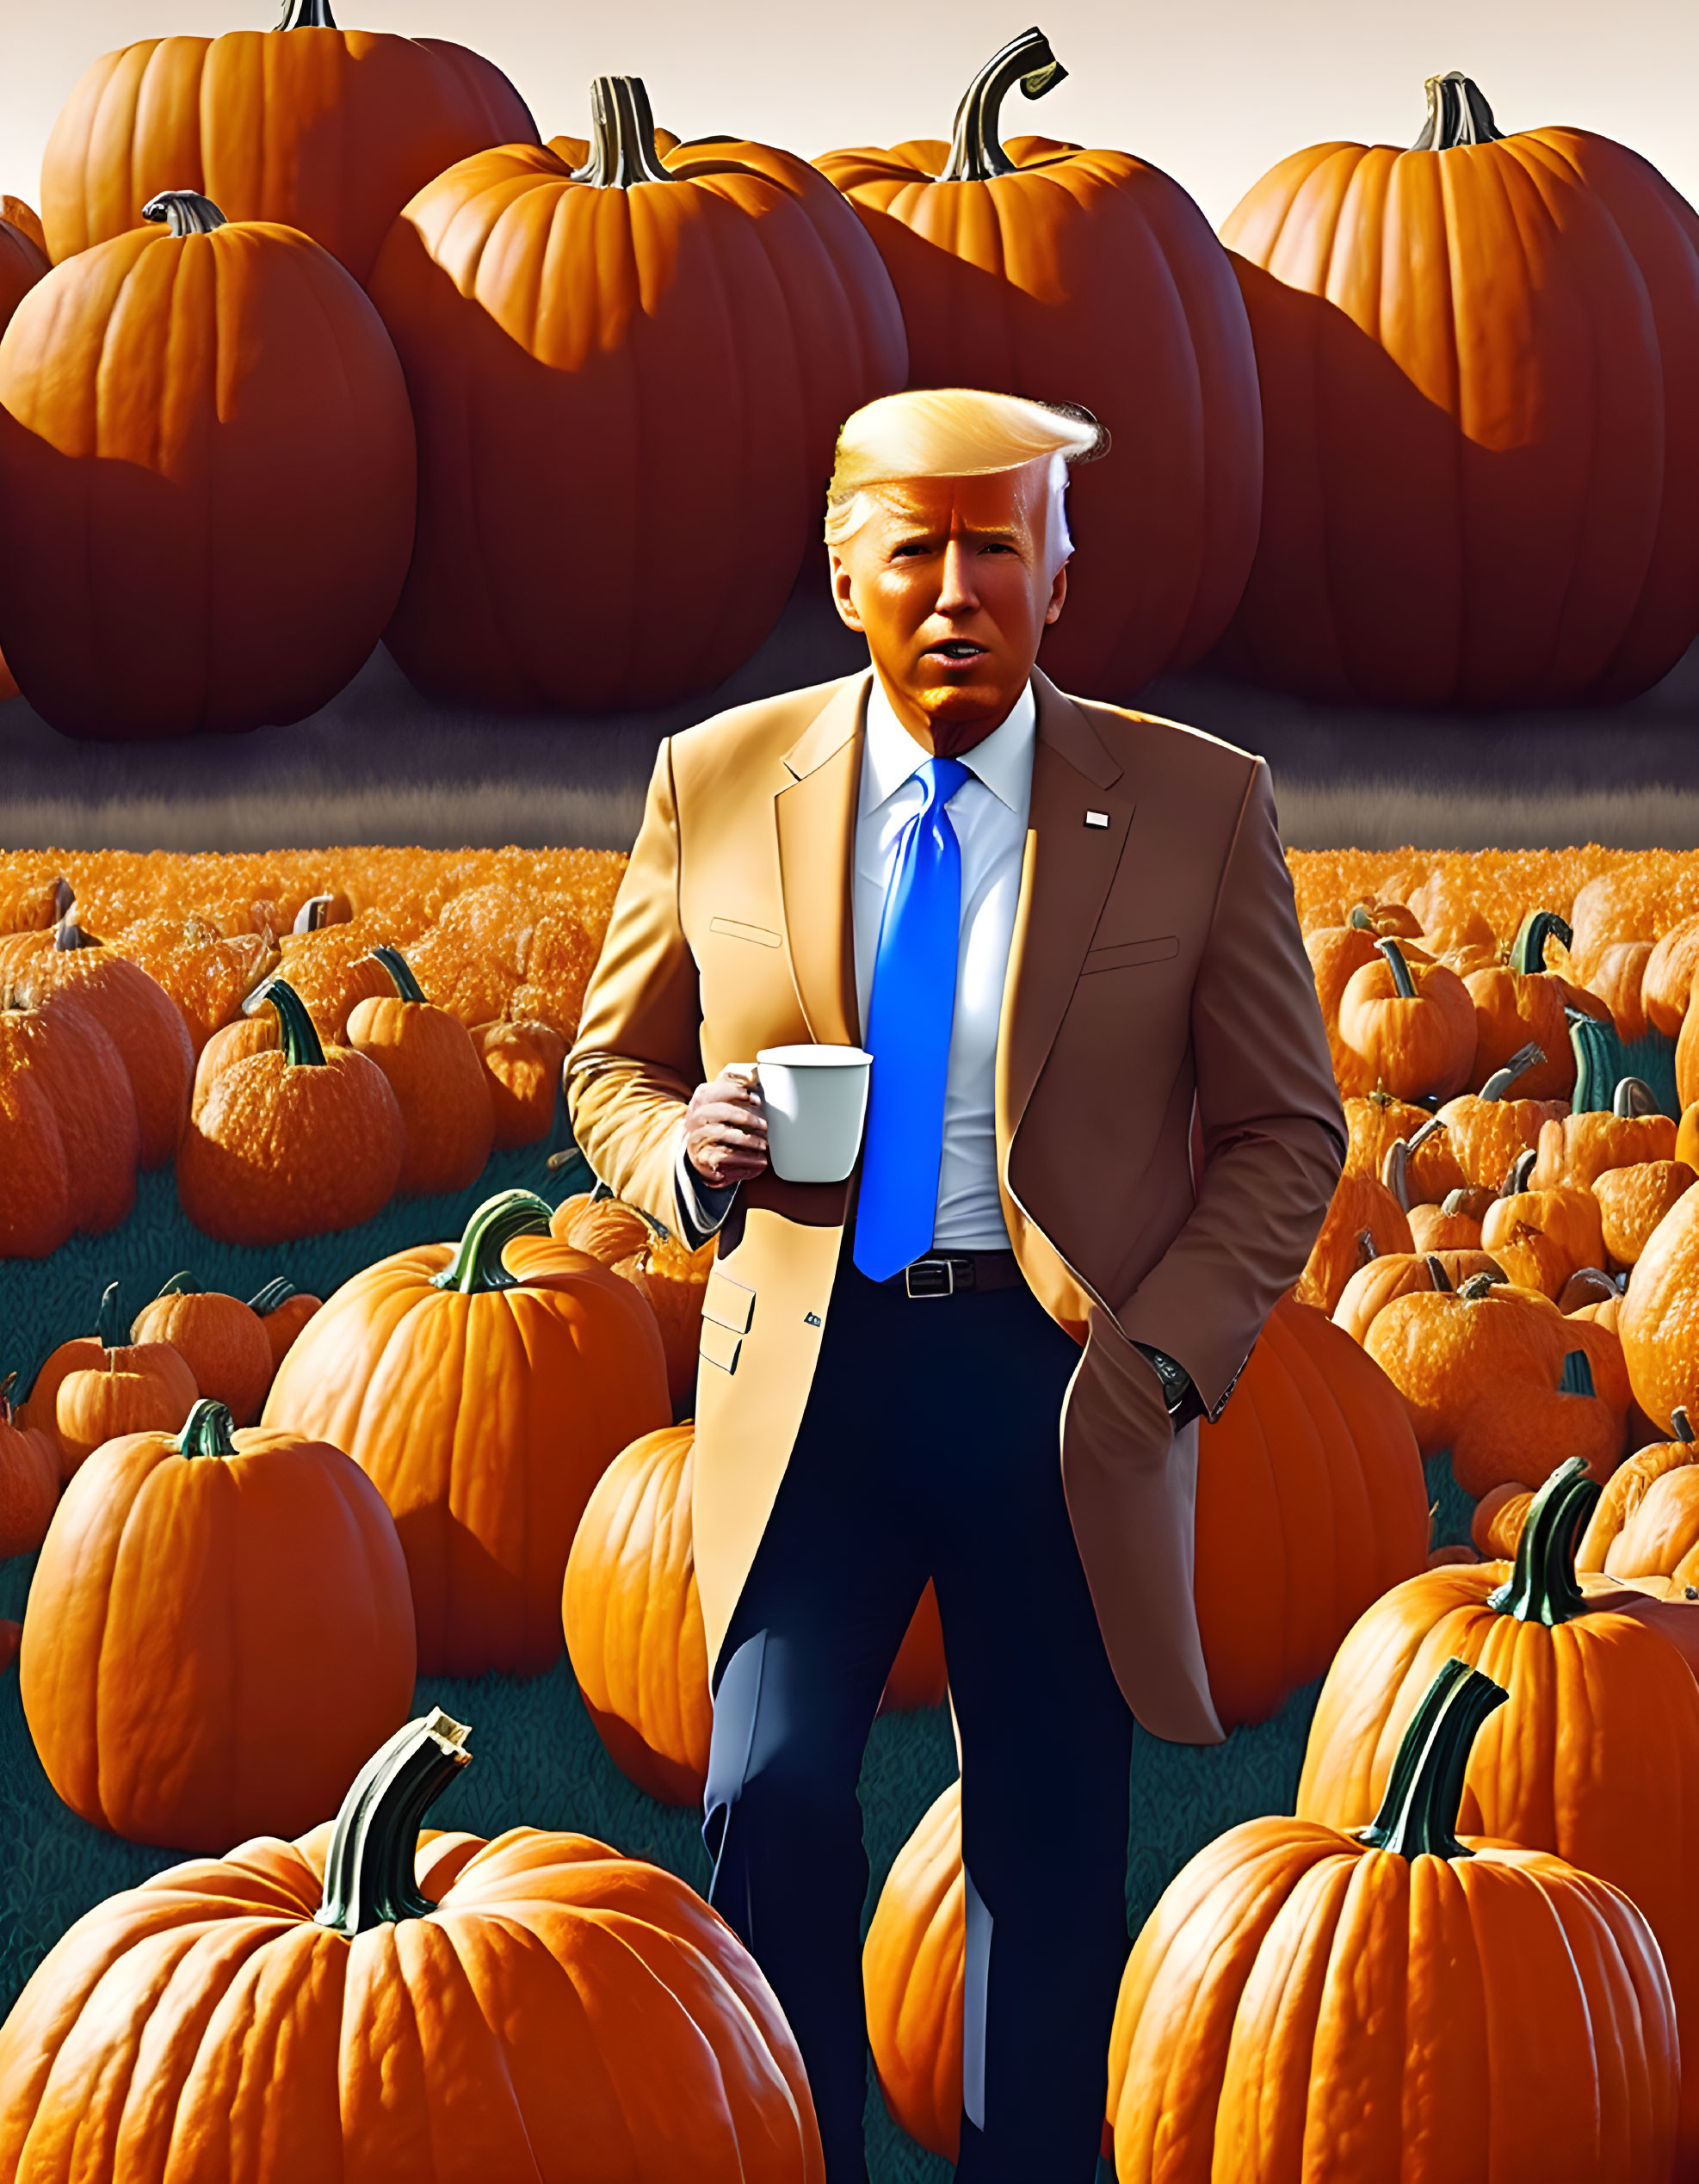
[908,549]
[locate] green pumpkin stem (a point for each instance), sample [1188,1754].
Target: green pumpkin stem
[1596,1050]
[1528,950]
[477,1263]
[621,136]
[1457,115]
[1403,985]
[401,970]
[1359,920]
[180,1284]
[186,212]
[277,1291]
[976,149]
[307,15]
[1425,1790]
[108,1325]
[369,1875]
[1478,1285]
[206,1430]
[1518,1175]
[1498,1086]
[1436,1274]
[1541,1587]
[297,1033]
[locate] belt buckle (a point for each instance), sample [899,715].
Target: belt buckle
[938,1275]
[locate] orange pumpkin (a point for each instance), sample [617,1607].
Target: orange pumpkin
[415,1997]
[1632,1201]
[1449,1226]
[1657,1321]
[292,1141]
[29,1479]
[283,1310]
[1520,1004]
[205,970]
[1581,1147]
[35,1207]
[1666,986]
[1065,274]
[913,1969]
[1405,1273]
[328,130]
[485,1387]
[1541,1238]
[95,1387]
[1595,1756]
[221,1340]
[196,1592]
[93,1109]
[437,1077]
[1488,1131]
[710,316]
[669,1277]
[1687,1057]
[1479,488]
[1338,1998]
[1375,1122]
[1645,1523]
[270,386]
[1617,975]
[1406,1026]
[1364,1222]
[521,1064]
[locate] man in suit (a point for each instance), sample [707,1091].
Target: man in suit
[1101,1134]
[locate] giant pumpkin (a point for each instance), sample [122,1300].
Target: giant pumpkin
[1659,1323]
[1481,463]
[205,479]
[484,1386]
[596,357]
[1066,274]
[197,1592]
[1596,1757]
[375,2002]
[325,130]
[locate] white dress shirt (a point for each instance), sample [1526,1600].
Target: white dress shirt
[989,815]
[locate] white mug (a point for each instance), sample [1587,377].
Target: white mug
[816,1101]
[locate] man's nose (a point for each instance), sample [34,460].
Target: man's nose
[957,594]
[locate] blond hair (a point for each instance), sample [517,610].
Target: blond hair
[954,432]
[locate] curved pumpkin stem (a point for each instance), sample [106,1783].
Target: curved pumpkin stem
[278,1291]
[369,1873]
[1403,985]
[1498,1084]
[1455,1201]
[1457,115]
[307,15]
[185,211]
[68,934]
[108,1325]
[1634,1096]
[1543,1587]
[1528,950]
[477,1263]
[1437,1274]
[1682,1425]
[1595,1051]
[1395,1171]
[1420,1135]
[309,917]
[621,136]
[401,970]
[976,149]
[1425,1790]
[180,1284]
[206,1430]
[297,1033]
[1359,920]
[1517,1175]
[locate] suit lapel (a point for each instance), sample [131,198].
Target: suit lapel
[1065,877]
[815,814]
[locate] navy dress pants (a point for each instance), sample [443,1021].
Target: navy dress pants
[930,1447]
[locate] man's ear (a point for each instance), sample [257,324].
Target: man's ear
[848,611]
[1059,592]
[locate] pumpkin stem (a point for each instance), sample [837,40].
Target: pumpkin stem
[277,1291]
[1477,1286]
[401,970]
[1425,1790]
[369,1877]
[1359,920]
[1420,1135]
[477,1263]
[180,1284]
[621,136]
[6,1406]
[65,899]
[1595,1050]
[297,1033]
[309,917]
[1517,1173]
[1520,1063]
[1457,115]
[109,1326]
[185,211]
[1634,1096]
[1542,1586]
[1682,1425]
[1403,985]
[68,934]
[307,15]
[206,1430]
[1436,1274]
[976,152]
[1577,1377]
[1395,1172]
[1528,950]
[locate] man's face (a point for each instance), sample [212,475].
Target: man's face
[952,580]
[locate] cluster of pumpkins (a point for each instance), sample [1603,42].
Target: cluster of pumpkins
[333,347]
[304,1034]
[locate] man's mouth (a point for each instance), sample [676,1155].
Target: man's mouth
[955,648]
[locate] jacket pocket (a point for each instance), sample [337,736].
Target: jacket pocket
[1126,953]
[736,930]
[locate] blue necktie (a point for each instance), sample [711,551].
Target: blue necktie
[910,1013]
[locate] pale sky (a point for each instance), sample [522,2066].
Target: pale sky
[1215,91]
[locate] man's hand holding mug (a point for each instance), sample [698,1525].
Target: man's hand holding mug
[725,1128]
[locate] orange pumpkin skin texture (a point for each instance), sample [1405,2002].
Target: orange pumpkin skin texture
[1085,275]
[1433,1229]
[1567,1217]
[1666,985]
[35,1208]
[1403,1274]
[1577,1149]
[141,1020]
[1616,978]
[1687,1135]
[1646,1522]
[88,1089]
[1458,507]
[1364,1222]
[283,1310]
[1595,1757]
[219,1338]
[292,1142]
[29,1482]
[22,264]
[1632,1201]
[484,1416]
[913,1969]
[670,1277]
[1658,1320]
[712,320]
[160,388]
[1521,1003]
[1687,1059]
[206,972]
[95,1387]
[606,1228]
[437,1077]
[1496,1526]
[521,1064]
[1310,1502]
[325,130]
[1375,1122]
[195,1590]
[536,2005]
[1406,1026]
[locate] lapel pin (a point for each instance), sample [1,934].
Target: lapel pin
[1096,818]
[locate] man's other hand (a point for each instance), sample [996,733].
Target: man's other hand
[725,1128]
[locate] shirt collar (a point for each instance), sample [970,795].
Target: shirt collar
[1003,761]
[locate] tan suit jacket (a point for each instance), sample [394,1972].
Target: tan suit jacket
[1168,1132]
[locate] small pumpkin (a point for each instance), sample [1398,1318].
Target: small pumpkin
[93,1107]
[1364,1222]
[415,1997]
[1521,1003]
[283,1310]
[1666,986]
[436,1077]
[1541,1238]
[205,970]
[1487,1132]
[97,1387]
[522,1063]
[29,1479]
[196,1591]
[292,1142]
[1405,1273]
[669,1277]
[1406,1025]
[1449,1226]
[1375,1122]
[219,1338]
[1632,1201]
[1645,1523]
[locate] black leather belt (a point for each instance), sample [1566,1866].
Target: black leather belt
[954,1274]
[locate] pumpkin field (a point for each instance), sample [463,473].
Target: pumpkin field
[353,1673]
